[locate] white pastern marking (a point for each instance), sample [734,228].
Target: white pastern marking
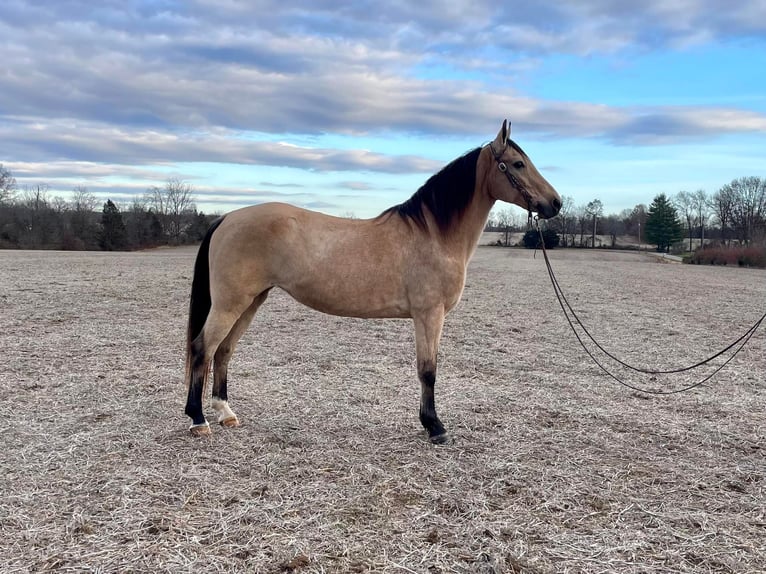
[222,409]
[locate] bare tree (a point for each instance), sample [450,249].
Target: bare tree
[614,225]
[36,197]
[38,223]
[83,220]
[7,185]
[749,206]
[594,210]
[583,218]
[722,205]
[702,207]
[59,205]
[638,218]
[506,221]
[172,204]
[142,224]
[566,219]
[684,202]
[82,200]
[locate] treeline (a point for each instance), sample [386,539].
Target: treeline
[736,213]
[31,218]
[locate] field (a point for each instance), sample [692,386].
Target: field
[553,467]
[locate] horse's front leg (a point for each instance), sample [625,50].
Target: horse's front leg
[428,330]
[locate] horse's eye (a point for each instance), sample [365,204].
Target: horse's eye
[518,164]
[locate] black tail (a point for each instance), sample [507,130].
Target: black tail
[199,301]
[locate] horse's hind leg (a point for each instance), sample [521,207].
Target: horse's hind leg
[217,326]
[224,414]
[428,328]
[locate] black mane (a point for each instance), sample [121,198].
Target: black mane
[446,194]
[517,147]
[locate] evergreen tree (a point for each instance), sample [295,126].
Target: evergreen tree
[531,239]
[198,226]
[662,225]
[112,236]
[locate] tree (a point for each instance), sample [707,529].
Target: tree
[637,222]
[722,206]
[701,205]
[684,201]
[566,219]
[531,239]
[173,204]
[594,210]
[748,211]
[662,226]
[39,224]
[614,225]
[83,222]
[112,236]
[582,216]
[200,224]
[506,222]
[7,185]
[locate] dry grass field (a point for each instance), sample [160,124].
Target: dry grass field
[552,467]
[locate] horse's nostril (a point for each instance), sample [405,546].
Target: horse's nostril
[556,204]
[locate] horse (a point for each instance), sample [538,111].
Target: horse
[408,262]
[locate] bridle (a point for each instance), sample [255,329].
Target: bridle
[515,183]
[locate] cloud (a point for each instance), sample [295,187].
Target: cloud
[674,125]
[315,67]
[608,26]
[95,143]
[92,90]
[355,185]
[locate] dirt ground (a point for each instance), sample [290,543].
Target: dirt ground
[553,467]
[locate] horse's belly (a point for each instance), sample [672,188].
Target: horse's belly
[350,302]
[352,306]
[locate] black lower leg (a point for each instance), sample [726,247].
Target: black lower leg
[220,379]
[428,417]
[196,387]
[221,393]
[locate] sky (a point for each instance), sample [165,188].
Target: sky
[347,108]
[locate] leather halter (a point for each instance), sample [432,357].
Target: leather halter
[515,183]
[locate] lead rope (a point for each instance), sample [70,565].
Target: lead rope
[565,306]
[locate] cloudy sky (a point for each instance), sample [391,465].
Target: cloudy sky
[349,107]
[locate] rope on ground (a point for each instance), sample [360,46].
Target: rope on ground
[574,319]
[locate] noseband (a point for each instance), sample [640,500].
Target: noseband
[515,183]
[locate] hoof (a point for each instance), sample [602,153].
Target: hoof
[200,430]
[229,422]
[439,438]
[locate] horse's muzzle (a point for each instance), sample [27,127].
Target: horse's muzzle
[546,210]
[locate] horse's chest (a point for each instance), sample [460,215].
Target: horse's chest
[453,294]
[441,286]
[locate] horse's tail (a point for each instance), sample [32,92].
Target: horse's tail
[199,301]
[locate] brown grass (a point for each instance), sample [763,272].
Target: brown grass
[552,467]
[739,255]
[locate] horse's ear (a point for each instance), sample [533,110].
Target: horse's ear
[502,136]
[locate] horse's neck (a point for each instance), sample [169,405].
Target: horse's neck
[472,223]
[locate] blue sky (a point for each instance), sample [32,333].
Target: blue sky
[348,108]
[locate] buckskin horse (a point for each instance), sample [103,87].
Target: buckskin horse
[408,262]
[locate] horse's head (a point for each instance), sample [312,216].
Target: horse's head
[513,178]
